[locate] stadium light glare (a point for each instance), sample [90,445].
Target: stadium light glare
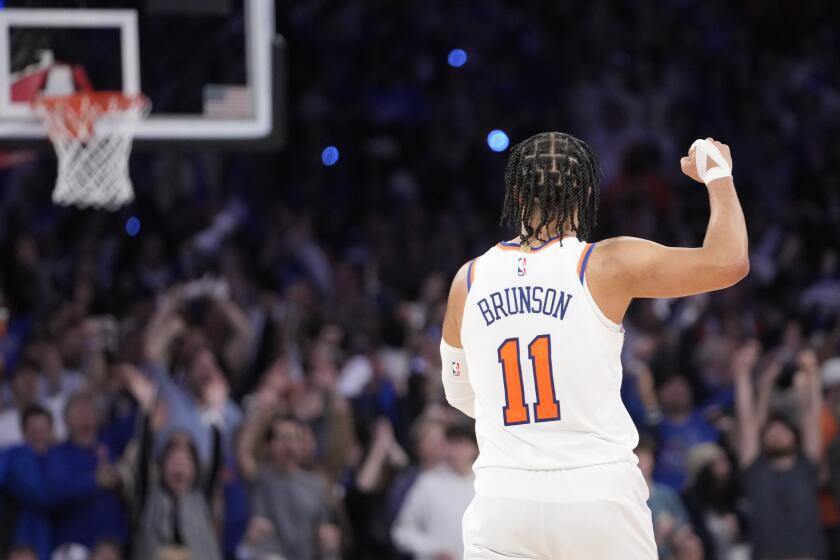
[498,140]
[329,156]
[132,226]
[457,58]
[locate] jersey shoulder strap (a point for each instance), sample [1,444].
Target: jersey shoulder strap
[584,260]
[471,274]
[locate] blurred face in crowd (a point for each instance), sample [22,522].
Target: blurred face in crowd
[215,324]
[25,386]
[462,454]
[81,422]
[431,444]
[23,554]
[323,369]
[714,483]
[646,461]
[308,449]
[38,433]
[778,440]
[106,551]
[285,444]
[203,369]
[721,468]
[173,552]
[72,346]
[179,468]
[792,335]
[675,396]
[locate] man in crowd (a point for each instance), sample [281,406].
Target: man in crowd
[671,525]
[779,458]
[83,482]
[682,427]
[24,389]
[27,504]
[429,435]
[289,506]
[429,523]
[196,375]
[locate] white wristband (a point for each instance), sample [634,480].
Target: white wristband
[703,151]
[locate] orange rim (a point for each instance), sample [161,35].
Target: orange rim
[76,114]
[95,98]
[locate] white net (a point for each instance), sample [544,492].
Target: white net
[92,134]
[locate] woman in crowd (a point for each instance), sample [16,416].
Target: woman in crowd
[174,500]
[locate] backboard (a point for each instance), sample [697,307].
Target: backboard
[213,69]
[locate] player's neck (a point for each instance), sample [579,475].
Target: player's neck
[545,234]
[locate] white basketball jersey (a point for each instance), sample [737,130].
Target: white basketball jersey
[544,362]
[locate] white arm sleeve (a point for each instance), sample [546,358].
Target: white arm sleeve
[456,379]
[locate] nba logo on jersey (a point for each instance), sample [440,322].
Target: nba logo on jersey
[456,369]
[520,266]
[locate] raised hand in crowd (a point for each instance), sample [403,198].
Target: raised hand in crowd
[107,474]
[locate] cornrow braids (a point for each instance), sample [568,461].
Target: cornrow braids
[560,175]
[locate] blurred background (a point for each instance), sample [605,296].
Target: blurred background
[243,362]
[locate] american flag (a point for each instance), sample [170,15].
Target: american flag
[225,101]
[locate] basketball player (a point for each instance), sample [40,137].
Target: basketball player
[531,349]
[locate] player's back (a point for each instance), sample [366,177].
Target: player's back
[544,362]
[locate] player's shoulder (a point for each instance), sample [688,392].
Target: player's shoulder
[612,243]
[617,258]
[464,278]
[464,270]
[469,271]
[461,279]
[458,291]
[614,250]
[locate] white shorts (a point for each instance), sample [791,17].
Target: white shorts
[589,513]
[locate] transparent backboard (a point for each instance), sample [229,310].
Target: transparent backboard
[212,69]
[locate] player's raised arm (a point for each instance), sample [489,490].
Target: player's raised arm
[456,381]
[624,268]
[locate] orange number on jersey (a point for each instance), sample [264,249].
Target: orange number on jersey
[515,411]
[547,407]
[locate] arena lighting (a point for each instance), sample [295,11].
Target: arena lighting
[457,58]
[498,140]
[132,226]
[329,156]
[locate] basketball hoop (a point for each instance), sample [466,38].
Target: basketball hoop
[92,134]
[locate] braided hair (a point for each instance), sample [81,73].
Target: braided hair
[558,174]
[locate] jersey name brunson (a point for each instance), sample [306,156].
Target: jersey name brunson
[524,299]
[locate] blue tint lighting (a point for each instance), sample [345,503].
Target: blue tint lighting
[329,156]
[457,58]
[498,140]
[132,226]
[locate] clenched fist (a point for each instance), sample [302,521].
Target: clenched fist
[689,163]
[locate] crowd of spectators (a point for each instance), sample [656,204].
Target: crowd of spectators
[255,374]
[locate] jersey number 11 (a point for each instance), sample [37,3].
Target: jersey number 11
[515,411]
